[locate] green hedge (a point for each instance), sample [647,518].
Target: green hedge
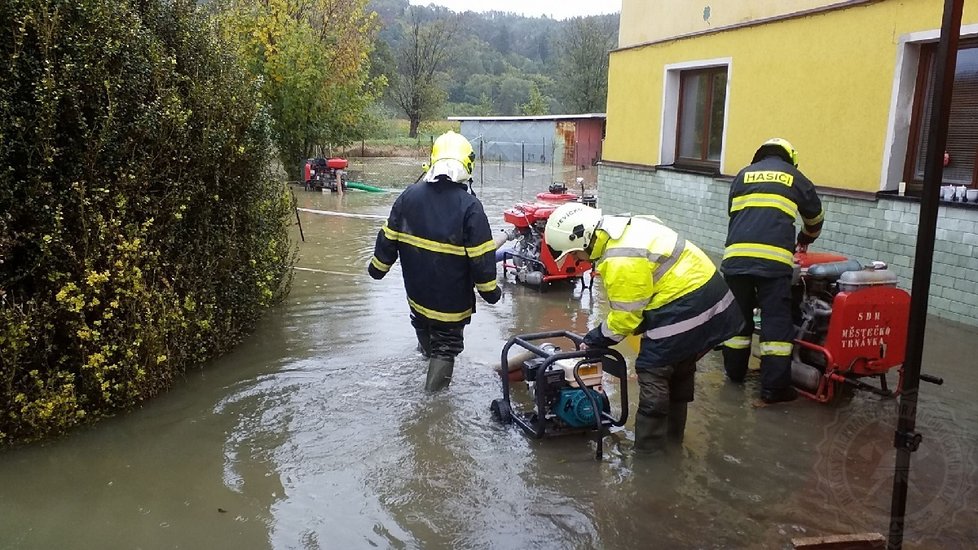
[141,232]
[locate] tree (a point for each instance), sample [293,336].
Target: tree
[312,60]
[537,104]
[583,75]
[503,41]
[514,89]
[485,106]
[422,54]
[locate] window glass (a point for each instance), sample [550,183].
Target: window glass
[700,124]
[962,132]
[716,115]
[691,122]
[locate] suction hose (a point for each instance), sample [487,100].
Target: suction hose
[500,240]
[365,187]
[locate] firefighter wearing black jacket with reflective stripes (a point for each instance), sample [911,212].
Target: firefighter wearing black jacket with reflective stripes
[765,199]
[662,287]
[439,230]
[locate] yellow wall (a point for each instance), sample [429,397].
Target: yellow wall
[643,20]
[824,82]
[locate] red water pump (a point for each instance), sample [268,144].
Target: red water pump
[851,325]
[529,258]
[320,174]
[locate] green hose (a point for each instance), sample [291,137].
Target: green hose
[365,187]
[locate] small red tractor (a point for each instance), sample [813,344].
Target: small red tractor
[320,174]
[851,326]
[529,258]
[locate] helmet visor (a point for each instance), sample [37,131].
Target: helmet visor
[450,168]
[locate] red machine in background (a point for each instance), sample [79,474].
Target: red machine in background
[852,325]
[319,174]
[529,258]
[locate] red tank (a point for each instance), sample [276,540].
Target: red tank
[337,164]
[556,197]
[524,215]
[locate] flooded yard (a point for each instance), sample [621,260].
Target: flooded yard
[316,433]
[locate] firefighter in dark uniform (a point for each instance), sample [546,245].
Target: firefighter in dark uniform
[661,286]
[439,230]
[765,199]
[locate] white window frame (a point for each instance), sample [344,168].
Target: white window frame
[901,102]
[670,107]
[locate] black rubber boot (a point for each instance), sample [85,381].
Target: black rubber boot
[439,373]
[677,422]
[735,362]
[424,343]
[779,396]
[650,434]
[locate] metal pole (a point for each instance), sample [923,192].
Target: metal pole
[298,220]
[906,440]
[553,153]
[523,160]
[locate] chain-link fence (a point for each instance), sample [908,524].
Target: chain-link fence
[400,171]
[549,151]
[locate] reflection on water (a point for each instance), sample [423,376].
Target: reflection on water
[316,433]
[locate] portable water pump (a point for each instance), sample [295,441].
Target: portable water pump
[567,387]
[530,259]
[320,174]
[851,324]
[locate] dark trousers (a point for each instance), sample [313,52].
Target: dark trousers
[661,386]
[773,296]
[435,339]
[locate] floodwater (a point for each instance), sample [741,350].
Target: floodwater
[316,433]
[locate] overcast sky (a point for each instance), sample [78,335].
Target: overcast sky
[559,9]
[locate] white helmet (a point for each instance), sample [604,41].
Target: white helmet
[571,228]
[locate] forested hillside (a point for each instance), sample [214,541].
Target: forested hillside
[490,63]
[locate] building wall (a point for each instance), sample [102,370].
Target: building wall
[824,81]
[641,20]
[867,230]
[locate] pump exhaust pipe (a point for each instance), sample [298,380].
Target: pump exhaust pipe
[805,376]
[534,278]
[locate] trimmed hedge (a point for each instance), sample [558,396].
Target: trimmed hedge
[141,232]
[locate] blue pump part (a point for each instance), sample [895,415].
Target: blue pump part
[574,407]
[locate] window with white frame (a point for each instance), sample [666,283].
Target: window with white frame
[694,115]
[961,153]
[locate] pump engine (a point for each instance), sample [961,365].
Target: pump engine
[320,174]
[567,387]
[851,324]
[529,258]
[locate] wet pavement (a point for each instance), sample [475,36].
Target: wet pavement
[316,433]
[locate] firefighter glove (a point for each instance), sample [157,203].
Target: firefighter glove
[594,339]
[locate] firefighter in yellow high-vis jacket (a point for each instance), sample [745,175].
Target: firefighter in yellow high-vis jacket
[661,286]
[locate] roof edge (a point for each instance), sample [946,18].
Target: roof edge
[540,117]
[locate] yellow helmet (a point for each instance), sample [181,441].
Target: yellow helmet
[777,146]
[451,156]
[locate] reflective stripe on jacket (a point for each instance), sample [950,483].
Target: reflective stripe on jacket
[765,199]
[665,287]
[442,237]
